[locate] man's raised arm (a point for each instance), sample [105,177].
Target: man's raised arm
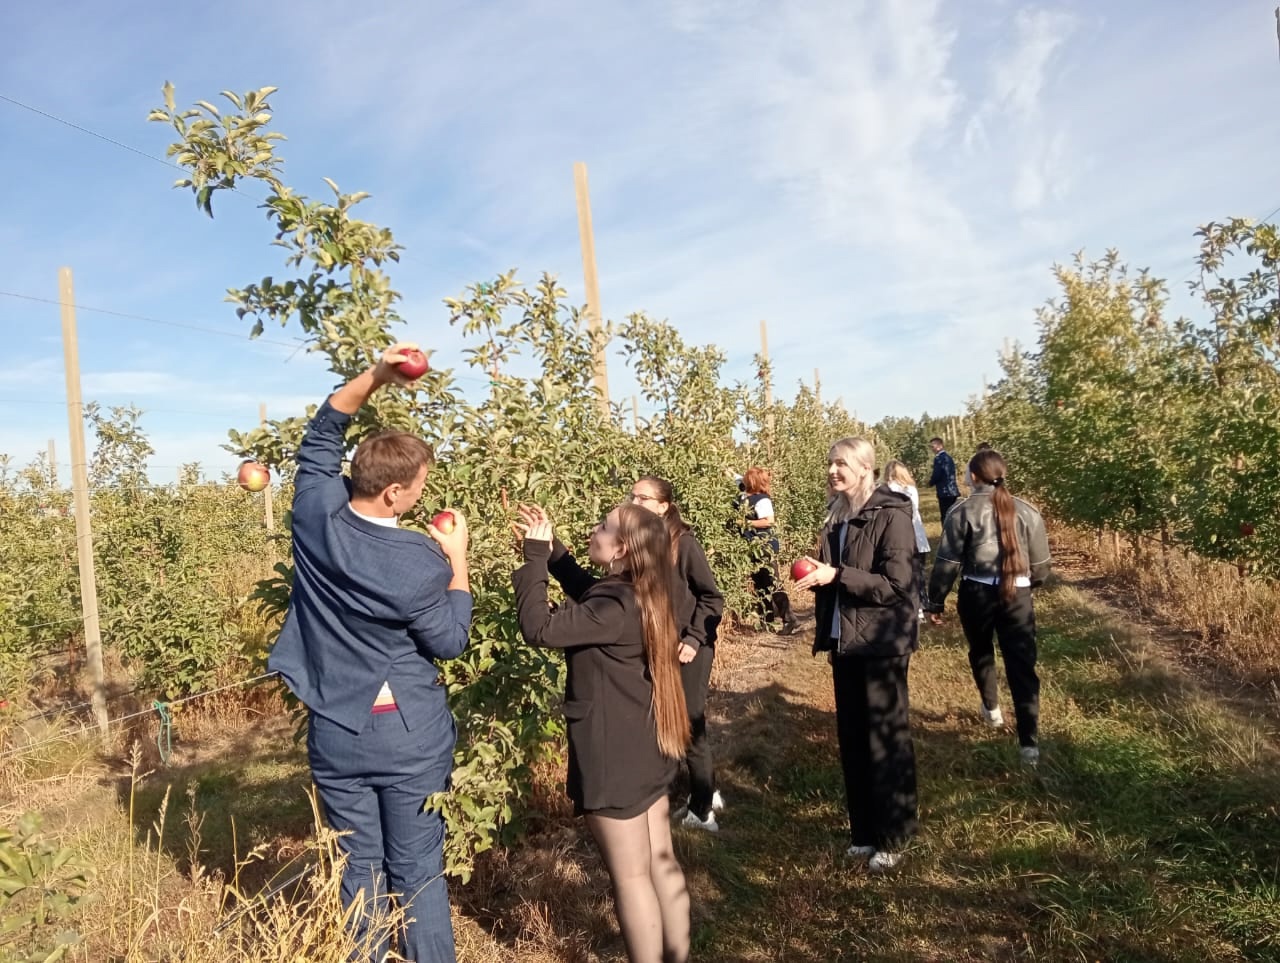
[325,442]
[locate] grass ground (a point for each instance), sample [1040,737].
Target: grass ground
[1150,832]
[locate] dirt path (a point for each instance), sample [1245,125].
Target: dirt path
[1150,832]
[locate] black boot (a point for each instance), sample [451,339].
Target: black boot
[782,606]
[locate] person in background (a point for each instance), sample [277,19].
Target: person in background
[968,479]
[699,606]
[624,707]
[771,599]
[899,479]
[996,544]
[373,608]
[865,606]
[943,478]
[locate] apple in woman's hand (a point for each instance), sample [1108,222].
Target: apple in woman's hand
[802,567]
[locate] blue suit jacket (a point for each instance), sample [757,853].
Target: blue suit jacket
[370,603]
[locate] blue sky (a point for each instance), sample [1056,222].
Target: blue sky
[887,183]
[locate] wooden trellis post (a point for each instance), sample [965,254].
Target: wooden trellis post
[600,371]
[80,487]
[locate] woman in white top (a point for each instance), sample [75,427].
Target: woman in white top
[898,477]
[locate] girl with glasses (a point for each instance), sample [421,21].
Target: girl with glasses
[699,605]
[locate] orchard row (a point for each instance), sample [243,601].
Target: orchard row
[1164,428]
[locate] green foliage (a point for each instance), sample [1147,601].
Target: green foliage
[1126,420]
[535,435]
[41,885]
[39,588]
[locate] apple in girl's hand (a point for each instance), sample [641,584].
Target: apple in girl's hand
[252,476]
[444,522]
[802,567]
[414,364]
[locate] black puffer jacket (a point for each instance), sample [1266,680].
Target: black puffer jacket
[875,583]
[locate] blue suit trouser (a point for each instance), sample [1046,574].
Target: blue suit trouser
[373,785]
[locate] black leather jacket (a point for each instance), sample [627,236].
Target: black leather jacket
[971,544]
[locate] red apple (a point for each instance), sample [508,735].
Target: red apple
[414,364]
[1246,528]
[802,567]
[444,522]
[252,476]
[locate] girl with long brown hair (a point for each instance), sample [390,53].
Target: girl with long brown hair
[699,605]
[624,706]
[997,545]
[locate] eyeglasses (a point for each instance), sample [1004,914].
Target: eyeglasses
[642,497]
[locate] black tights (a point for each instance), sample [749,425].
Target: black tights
[649,893]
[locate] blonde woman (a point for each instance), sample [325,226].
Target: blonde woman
[865,606]
[899,479]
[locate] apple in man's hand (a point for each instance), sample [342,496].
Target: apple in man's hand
[802,567]
[253,476]
[444,523]
[414,364]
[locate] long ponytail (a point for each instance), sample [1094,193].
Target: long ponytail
[652,573]
[988,468]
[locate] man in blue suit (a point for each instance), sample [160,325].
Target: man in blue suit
[944,477]
[373,607]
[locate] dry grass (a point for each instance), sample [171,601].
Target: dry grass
[1150,833]
[1227,621]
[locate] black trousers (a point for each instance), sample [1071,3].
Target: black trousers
[921,560]
[770,598]
[945,502]
[984,614]
[876,751]
[696,676]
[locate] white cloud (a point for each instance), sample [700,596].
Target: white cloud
[1018,78]
[888,183]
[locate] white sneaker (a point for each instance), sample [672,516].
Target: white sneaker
[1030,755]
[692,821]
[993,717]
[860,851]
[882,861]
[717,802]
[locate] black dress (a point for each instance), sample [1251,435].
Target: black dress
[615,766]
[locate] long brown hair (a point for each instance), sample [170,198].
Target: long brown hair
[649,553]
[676,525]
[988,468]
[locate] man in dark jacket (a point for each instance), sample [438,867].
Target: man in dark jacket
[943,478]
[373,607]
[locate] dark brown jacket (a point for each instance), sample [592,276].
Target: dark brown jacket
[614,761]
[875,584]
